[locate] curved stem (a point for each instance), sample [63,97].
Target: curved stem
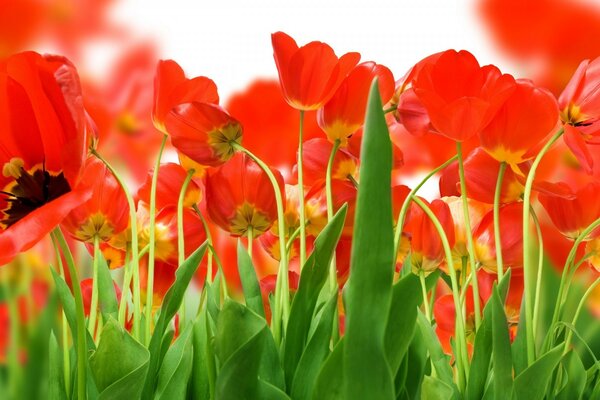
[94,302]
[330,211]
[469,233]
[291,239]
[81,339]
[409,198]
[211,253]
[497,238]
[301,193]
[125,288]
[462,359]
[152,242]
[538,284]
[135,258]
[528,278]
[587,294]
[180,232]
[424,292]
[282,296]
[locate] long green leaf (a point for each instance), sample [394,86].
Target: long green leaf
[56,384]
[531,384]
[330,382]
[576,378]
[436,353]
[176,368]
[501,353]
[368,293]
[200,371]
[170,306]
[250,284]
[107,297]
[435,389]
[314,275]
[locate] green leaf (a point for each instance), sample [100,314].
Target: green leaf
[501,352]
[416,360]
[531,384]
[170,306]
[66,300]
[368,293]
[200,382]
[315,353]
[330,382]
[249,281]
[435,389]
[482,349]
[576,378]
[406,297]
[119,365]
[56,387]
[176,368]
[107,297]
[313,277]
[436,353]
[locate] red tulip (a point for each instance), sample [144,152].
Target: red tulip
[170,181]
[105,214]
[444,313]
[42,148]
[309,75]
[460,96]
[239,195]
[172,88]
[344,113]
[518,130]
[316,157]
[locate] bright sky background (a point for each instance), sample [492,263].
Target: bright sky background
[230,42]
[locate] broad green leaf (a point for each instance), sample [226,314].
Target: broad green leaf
[416,360]
[170,306]
[249,281]
[330,382]
[313,277]
[119,365]
[66,300]
[435,389]
[315,353]
[107,297]
[575,375]
[482,349]
[406,297]
[368,293]
[519,345]
[56,383]
[176,368]
[246,350]
[501,352]
[200,382]
[531,384]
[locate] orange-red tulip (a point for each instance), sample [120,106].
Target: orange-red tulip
[444,313]
[42,148]
[344,113]
[170,181]
[316,157]
[460,96]
[239,195]
[309,75]
[172,88]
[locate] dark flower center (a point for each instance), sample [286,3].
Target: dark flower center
[30,191]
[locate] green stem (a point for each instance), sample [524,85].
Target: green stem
[538,285]
[134,245]
[462,359]
[353,181]
[152,242]
[301,193]
[125,288]
[291,239]
[79,315]
[528,278]
[65,323]
[409,198]
[469,233]
[250,235]
[587,294]
[211,253]
[330,211]
[424,292]
[282,296]
[497,237]
[94,302]
[389,110]
[180,201]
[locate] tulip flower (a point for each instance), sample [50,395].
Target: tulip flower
[42,148]
[520,126]
[573,212]
[511,226]
[172,88]
[316,205]
[240,197]
[344,113]
[316,157]
[444,312]
[461,97]
[580,111]
[105,214]
[170,180]
[309,75]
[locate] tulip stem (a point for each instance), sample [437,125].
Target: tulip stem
[135,257]
[497,238]
[538,285]
[94,302]
[330,211]
[528,278]
[180,232]
[282,290]
[425,298]
[79,315]
[209,262]
[462,359]
[65,324]
[152,242]
[409,198]
[301,192]
[291,239]
[250,236]
[469,233]
[125,288]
